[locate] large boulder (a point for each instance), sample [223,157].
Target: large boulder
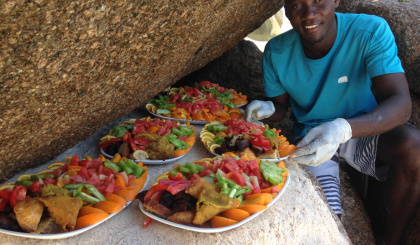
[68,68]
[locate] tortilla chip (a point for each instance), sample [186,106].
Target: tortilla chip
[63,210]
[28,214]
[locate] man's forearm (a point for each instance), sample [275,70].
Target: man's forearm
[280,112]
[389,114]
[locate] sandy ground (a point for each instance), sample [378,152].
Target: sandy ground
[299,216]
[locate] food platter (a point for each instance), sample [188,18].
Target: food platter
[149,162]
[220,229]
[64,234]
[141,134]
[215,136]
[201,103]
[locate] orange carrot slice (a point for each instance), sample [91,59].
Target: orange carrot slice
[153,129]
[140,181]
[284,175]
[267,197]
[119,182]
[218,221]
[235,214]
[89,210]
[190,140]
[128,195]
[279,187]
[136,188]
[252,209]
[281,164]
[90,219]
[74,167]
[179,153]
[109,207]
[287,150]
[115,198]
[116,158]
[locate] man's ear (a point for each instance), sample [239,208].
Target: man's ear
[336,3]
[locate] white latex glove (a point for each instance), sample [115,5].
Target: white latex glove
[321,143]
[258,110]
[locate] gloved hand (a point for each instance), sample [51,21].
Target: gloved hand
[258,110]
[321,143]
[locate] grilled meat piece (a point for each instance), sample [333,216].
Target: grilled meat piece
[9,223]
[156,208]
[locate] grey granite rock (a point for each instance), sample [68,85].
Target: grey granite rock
[67,68]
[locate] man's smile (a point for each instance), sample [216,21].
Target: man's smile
[311,27]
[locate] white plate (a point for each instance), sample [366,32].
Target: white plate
[150,162]
[183,120]
[215,230]
[64,234]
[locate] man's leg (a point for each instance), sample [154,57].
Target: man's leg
[328,176]
[400,149]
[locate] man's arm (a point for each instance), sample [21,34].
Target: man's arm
[394,107]
[281,103]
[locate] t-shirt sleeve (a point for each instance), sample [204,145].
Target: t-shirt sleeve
[272,85]
[381,57]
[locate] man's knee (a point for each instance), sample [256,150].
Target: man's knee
[401,146]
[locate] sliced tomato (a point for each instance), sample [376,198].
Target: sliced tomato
[35,187]
[154,195]
[85,163]
[18,195]
[178,176]
[50,181]
[3,203]
[238,179]
[109,142]
[205,172]
[110,188]
[261,142]
[75,160]
[6,193]
[94,180]
[159,187]
[147,222]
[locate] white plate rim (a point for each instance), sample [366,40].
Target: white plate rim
[150,162]
[221,229]
[65,234]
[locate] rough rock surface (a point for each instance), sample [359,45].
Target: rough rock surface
[68,68]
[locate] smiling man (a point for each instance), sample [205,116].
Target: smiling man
[341,76]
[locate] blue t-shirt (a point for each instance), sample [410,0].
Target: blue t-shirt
[337,85]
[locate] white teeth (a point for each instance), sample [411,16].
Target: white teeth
[310,27]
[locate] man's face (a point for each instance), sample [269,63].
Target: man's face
[314,20]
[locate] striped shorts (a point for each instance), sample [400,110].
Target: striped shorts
[358,153]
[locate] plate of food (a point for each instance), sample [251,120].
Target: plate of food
[215,194]
[149,140]
[242,137]
[69,198]
[200,104]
